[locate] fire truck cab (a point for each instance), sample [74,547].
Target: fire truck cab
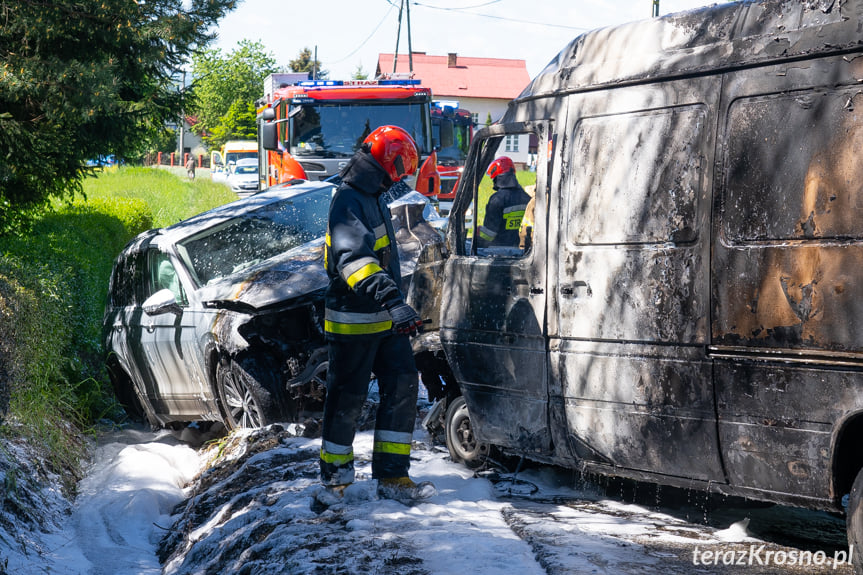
[309,130]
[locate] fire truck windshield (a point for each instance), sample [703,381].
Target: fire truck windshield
[452,139]
[328,130]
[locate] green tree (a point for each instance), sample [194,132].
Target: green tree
[359,73]
[304,63]
[83,79]
[225,88]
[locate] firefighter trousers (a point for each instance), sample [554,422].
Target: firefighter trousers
[351,364]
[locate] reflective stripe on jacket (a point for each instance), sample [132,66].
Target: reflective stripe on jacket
[361,256]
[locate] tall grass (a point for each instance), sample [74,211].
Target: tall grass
[53,287]
[169,196]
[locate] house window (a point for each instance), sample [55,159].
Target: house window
[512,143]
[475,118]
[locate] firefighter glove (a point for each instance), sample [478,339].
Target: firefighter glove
[406,321]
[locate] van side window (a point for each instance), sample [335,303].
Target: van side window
[806,182]
[501,225]
[646,192]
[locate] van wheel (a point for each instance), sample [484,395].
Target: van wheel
[854,522]
[250,395]
[460,441]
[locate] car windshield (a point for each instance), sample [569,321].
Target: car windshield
[242,242]
[246,170]
[337,130]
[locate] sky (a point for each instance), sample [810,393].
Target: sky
[349,34]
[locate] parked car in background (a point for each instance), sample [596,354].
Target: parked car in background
[243,176]
[220,317]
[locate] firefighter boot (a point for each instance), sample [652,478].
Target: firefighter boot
[405,490]
[328,495]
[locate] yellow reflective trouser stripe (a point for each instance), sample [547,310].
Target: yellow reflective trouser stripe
[357,328]
[336,458]
[394,448]
[363,273]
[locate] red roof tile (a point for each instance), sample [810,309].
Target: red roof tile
[469,77]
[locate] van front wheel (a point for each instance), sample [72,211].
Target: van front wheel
[460,441]
[854,522]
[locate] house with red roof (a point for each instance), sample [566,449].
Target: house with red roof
[484,86]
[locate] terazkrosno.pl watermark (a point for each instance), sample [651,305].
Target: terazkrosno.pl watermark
[759,555]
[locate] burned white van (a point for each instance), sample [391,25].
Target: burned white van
[689,308]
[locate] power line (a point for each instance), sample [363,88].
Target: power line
[461,8]
[369,37]
[496,17]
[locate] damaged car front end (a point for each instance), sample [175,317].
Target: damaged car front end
[220,317]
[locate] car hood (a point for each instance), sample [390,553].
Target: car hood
[296,273]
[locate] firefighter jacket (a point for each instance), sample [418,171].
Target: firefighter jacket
[503,213]
[361,256]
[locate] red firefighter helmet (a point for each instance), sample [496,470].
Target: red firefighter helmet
[395,150]
[500,166]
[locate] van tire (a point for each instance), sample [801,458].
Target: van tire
[249,394]
[854,522]
[460,441]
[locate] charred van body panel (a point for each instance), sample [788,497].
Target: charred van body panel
[688,311]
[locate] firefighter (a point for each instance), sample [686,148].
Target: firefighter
[367,322]
[505,208]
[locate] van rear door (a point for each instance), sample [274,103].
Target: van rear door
[493,324]
[629,284]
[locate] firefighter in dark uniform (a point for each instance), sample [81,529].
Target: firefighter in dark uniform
[505,208]
[367,322]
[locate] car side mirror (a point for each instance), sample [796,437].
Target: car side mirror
[161,302]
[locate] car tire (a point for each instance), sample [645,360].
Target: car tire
[854,522]
[250,393]
[460,441]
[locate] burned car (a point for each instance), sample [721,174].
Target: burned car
[220,317]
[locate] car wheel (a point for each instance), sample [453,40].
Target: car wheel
[854,522]
[250,394]
[460,441]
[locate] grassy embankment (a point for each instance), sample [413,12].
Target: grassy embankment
[53,284]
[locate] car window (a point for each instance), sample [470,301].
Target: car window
[163,275]
[271,230]
[127,280]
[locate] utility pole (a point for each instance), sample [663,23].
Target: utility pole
[181,142]
[398,37]
[410,49]
[655,8]
[315,64]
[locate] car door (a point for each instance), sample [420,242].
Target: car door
[629,284]
[125,323]
[493,303]
[170,343]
